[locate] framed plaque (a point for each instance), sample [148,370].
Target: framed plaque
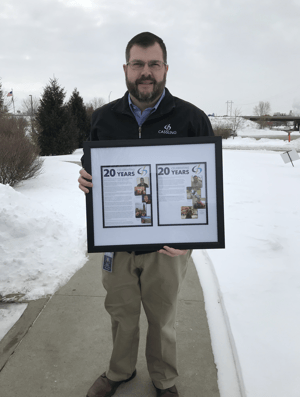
[155,192]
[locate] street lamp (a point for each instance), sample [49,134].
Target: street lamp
[31,105]
[31,114]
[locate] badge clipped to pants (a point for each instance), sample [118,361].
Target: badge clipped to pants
[108,261]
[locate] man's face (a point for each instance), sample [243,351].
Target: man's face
[146,198]
[146,85]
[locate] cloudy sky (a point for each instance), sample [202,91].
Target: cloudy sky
[235,50]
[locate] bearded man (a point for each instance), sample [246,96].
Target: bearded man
[146,111]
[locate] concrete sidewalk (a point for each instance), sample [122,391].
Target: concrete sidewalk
[62,344]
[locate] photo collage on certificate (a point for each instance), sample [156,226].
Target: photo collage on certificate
[182,194]
[126,196]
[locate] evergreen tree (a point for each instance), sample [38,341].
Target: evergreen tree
[79,114]
[56,132]
[68,138]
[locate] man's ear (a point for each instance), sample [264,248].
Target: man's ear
[124,68]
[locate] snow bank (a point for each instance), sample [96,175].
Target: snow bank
[42,232]
[258,271]
[260,144]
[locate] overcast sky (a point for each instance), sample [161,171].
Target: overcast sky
[218,51]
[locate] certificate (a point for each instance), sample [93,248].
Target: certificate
[125,188]
[182,194]
[155,192]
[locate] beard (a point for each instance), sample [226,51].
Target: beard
[158,88]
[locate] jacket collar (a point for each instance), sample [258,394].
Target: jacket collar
[166,105]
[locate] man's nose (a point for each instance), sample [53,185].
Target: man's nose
[146,71]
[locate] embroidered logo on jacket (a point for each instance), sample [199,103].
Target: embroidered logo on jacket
[167,130]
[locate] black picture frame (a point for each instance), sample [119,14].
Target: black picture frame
[169,164]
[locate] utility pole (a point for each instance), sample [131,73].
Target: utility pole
[109,96]
[230,107]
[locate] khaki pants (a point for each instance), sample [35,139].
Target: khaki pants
[154,280]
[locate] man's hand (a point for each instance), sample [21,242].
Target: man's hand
[83,183]
[172,251]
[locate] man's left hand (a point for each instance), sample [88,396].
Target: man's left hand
[172,251]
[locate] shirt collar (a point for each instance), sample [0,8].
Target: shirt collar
[132,105]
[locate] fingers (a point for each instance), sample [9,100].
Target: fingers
[172,251]
[84,189]
[84,174]
[84,184]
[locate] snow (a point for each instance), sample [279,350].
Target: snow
[256,278]
[229,373]
[261,144]
[250,137]
[258,272]
[9,315]
[42,231]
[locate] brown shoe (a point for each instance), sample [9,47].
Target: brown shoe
[104,387]
[170,392]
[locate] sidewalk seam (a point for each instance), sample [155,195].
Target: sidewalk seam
[190,300]
[20,341]
[86,296]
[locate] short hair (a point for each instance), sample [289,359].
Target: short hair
[145,39]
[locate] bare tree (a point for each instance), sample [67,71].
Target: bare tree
[96,103]
[1,100]
[262,109]
[30,109]
[91,106]
[26,106]
[237,122]
[5,103]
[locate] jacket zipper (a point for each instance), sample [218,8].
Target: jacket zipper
[140,131]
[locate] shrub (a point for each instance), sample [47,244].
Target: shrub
[222,130]
[19,157]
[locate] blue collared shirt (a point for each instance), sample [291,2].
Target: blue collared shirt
[139,116]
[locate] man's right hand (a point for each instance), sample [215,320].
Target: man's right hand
[83,183]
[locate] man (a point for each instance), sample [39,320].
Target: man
[196,183]
[147,110]
[138,214]
[142,183]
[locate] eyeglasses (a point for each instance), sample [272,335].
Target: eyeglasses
[152,65]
